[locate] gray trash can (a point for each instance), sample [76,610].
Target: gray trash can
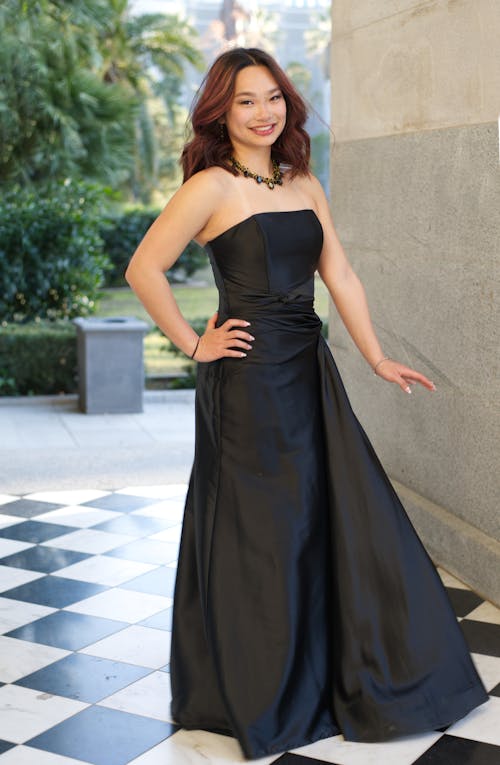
[110,364]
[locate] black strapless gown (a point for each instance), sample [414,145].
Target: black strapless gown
[305,603]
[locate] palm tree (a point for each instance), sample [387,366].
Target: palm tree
[148,53]
[76,83]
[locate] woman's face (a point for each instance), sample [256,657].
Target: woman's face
[257,114]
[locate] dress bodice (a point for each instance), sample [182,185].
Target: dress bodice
[268,254]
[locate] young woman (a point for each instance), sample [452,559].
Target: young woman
[305,604]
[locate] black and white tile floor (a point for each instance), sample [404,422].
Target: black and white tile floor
[86,585]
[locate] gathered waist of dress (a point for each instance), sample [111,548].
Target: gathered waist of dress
[292,311]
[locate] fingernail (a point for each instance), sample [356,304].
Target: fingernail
[252,338]
[242,354]
[408,390]
[247,324]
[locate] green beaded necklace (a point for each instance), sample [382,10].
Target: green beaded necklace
[275,179]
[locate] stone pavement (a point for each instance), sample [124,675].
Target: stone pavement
[45,442]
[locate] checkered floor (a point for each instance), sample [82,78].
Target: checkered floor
[86,585]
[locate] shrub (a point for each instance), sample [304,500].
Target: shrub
[51,253]
[123,233]
[38,358]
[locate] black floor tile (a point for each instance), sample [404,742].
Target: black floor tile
[160,581]
[482,637]
[494,691]
[27,508]
[135,525]
[160,621]
[5,746]
[452,750]
[124,503]
[34,531]
[82,677]
[103,736]
[46,559]
[54,591]
[64,629]
[463,601]
[147,551]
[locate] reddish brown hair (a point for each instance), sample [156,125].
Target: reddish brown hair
[209,147]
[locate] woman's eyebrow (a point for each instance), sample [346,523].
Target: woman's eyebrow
[249,93]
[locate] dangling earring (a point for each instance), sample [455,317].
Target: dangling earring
[221,131]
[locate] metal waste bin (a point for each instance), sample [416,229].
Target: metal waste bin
[110,364]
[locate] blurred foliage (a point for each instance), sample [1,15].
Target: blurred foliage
[52,262]
[38,358]
[82,85]
[122,234]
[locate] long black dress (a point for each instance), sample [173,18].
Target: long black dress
[305,604]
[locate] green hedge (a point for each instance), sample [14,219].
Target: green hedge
[52,262]
[38,358]
[123,233]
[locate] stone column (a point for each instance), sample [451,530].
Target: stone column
[415,194]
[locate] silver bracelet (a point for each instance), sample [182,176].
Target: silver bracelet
[386,358]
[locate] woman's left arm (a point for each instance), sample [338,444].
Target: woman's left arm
[349,296]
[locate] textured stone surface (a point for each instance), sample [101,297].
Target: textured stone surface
[456,546]
[405,65]
[418,216]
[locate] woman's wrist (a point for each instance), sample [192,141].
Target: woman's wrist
[379,362]
[195,348]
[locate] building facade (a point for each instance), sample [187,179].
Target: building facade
[415,190]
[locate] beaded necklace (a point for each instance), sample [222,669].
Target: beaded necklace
[276,179]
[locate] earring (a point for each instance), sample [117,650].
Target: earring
[221,131]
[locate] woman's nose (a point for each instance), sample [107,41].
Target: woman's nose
[263,110]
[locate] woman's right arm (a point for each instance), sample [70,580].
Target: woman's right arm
[183,218]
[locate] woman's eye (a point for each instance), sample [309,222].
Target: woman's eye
[276,97]
[245,103]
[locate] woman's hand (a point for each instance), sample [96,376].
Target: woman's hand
[393,371]
[217,342]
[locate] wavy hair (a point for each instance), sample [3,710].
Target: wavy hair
[211,146]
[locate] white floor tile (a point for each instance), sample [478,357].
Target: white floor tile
[8,520]
[198,747]
[402,751]
[26,755]
[169,509]
[4,498]
[488,668]
[16,613]
[486,612]
[149,697]
[451,581]
[167,491]
[482,724]
[13,577]
[78,516]
[172,534]
[26,713]
[19,658]
[89,541]
[11,546]
[122,605]
[144,646]
[70,497]
[101,569]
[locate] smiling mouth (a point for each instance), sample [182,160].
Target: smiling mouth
[264,129]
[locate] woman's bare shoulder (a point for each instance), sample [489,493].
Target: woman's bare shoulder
[211,180]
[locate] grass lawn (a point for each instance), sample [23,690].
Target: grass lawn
[196,301]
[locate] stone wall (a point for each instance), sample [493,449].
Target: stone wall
[416,202]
